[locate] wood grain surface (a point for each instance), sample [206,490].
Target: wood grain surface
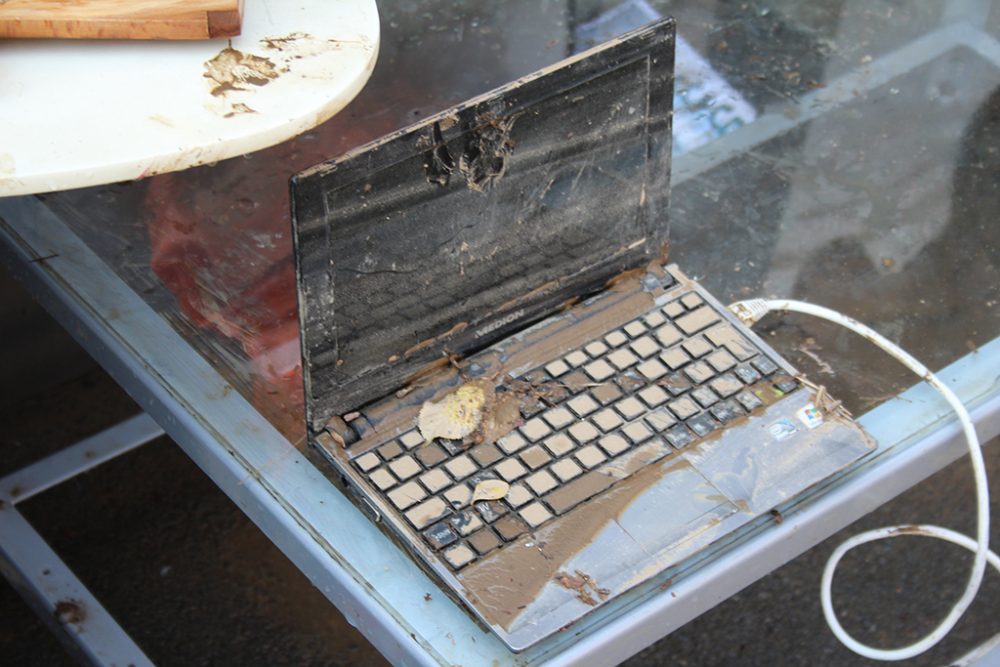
[115,19]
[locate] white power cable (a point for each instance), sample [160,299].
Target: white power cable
[752,310]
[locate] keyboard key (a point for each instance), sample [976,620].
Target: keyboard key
[637,432]
[596,349]
[702,425]
[691,300]
[764,365]
[461,467]
[607,419]
[654,319]
[675,358]
[481,476]
[484,541]
[675,383]
[683,408]
[635,328]
[435,480]
[645,347]
[559,444]
[427,513]
[389,451]
[465,522]
[430,455]
[679,436]
[541,482]
[726,385]
[511,469]
[367,461]
[576,358]
[510,527]
[517,496]
[440,535]
[653,395]
[485,455]
[382,478]
[511,442]
[749,401]
[405,467]
[535,430]
[726,411]
[747,373]
[660,420]
[606,393]
[599,370]
[697,347]
[697,320]
[572,494]
[622,358]
[557,368]
[565,470]
[411,439]
[459,495]
[583,432]
[721,360]
[673,309]
[698,372]
[630,381]
[535,457]
[559,417]
[630,407]
[490,510]
[651,369]
[785,383]
[613,444]
[453,447]
[590,456]
[616,339]
[668,335]
[459,555]
[582,405]
[704,396]
[724,335]
[406,495]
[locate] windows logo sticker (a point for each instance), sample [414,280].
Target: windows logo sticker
[810,416]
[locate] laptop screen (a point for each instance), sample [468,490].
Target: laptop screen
[448,235]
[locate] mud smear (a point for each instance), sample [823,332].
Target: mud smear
[483,159]
[283,43]
[505,584]
[232,70]
[584,586]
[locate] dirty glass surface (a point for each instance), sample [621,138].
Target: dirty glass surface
[843,152]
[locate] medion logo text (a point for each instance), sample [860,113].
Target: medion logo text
[493,326]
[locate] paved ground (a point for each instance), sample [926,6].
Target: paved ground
[197,584]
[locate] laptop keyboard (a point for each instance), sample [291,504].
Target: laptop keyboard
[620,402]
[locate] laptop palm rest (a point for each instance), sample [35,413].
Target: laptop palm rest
[655,519]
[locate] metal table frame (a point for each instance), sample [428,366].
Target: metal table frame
[378,587]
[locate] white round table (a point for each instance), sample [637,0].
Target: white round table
[80,113]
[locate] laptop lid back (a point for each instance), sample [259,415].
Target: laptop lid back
[448,235]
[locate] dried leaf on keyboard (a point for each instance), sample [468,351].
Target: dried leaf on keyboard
[490,489]
[455,416]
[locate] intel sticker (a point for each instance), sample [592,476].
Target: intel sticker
[781,429]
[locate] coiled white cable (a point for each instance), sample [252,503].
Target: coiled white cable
[752,310]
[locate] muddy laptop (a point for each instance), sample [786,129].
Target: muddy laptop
[504,371]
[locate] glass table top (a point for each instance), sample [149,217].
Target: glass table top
[845,153]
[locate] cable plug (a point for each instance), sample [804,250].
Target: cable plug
[749,311]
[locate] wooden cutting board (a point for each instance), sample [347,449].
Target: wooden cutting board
[121,19]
